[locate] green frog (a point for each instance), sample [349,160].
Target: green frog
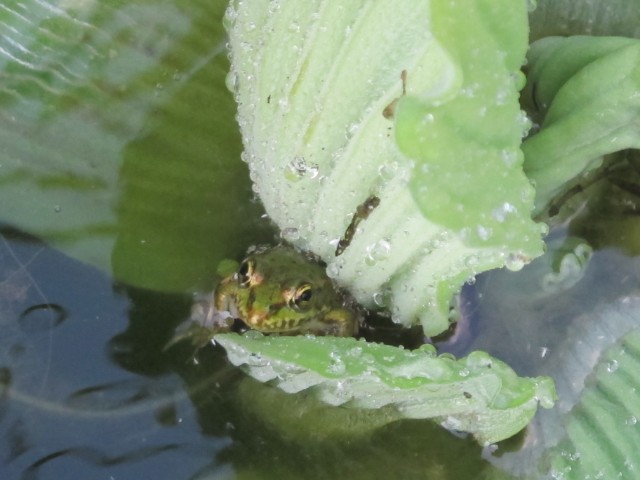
[275,290]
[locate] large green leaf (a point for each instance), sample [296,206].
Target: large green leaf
[584,91]
[477,394]
[117,133]
[468,175]
[318,133]
[584,17]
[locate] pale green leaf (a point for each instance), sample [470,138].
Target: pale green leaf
[477,394]
[584,89]
[318,85]
[584,17]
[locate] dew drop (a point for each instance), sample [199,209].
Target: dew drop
[515,262]
[337,367]
[396,315]
[524,122]
[229,19]
[379,299]
[283,103]
[544,229]
[483,232]
[299,168]
[428,119]
[333,270]
[500,213]
[377,252]
[290,234]
[355,352]
[294,27]
[388,171]
[352,130]
[509,157]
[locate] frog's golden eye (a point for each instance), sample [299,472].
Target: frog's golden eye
[303,294]
[245,272]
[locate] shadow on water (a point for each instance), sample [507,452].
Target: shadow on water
[87,391]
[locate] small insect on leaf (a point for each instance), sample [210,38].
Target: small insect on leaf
[362,213]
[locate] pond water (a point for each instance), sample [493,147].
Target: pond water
[85,395]
[88,390]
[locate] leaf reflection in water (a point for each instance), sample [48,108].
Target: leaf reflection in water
[569,334]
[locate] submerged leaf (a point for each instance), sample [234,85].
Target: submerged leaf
[105,145]
[601,433]
[476,394]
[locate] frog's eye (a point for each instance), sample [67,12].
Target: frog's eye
[303,295]
[245,272]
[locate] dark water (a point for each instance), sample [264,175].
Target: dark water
[89,393]
[86,391]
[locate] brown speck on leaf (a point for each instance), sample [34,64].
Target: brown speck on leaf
[389,111]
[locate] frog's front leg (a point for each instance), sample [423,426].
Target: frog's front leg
[209,316]
[224,300]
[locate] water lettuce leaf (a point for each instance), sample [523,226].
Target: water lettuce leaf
[477,394]
[601,430]
[576,312]
[468,175]
[584,17]
[584,92]
[320,107]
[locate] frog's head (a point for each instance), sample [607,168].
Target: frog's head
[280,290]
